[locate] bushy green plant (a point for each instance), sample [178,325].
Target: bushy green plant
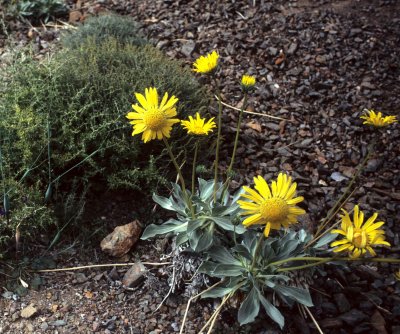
[100,28]
[82,95]
[63,119]
[37,10]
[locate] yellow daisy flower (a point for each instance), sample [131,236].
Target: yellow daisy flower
[274,208]
[198,126]
[152,119]
[248,82]
[359,237]
[377,120]
[206,64]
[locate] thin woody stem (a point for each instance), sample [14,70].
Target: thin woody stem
[196,148]
[188,201]
[342,198]
[259,242]
[321,260]
[216,161]
[237,134]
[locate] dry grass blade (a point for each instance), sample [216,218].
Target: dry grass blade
[253,112]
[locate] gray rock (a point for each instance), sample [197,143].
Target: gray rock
[338,177]
[330,323]
[188,47]
[329,308]
[354,317]
[341,302]
[292,48]
[44,326]
[134,275]
[58,323]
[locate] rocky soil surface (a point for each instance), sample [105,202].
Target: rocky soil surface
[318,64]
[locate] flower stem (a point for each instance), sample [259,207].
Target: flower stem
[181,179]
[196,148]
[257,250]
[339,203]
[229,171]
[218,141]
[321,260]
[237,134]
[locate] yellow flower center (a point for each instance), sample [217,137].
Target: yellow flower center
[154,119]
[197,130]
[360,239]
[274,209]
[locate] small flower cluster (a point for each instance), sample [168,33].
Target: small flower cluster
[155,120]
[377,120]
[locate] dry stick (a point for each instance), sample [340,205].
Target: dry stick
[215,314]
[252,112]
[100,266]
[348,188]
[328,221]
[169,292]
[193,298]
[313,319]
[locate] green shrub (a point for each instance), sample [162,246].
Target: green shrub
[100,28]
[63,119]
[36,10]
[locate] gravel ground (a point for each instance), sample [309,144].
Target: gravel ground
[318,65]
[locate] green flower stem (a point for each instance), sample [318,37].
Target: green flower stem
[171,155]
[257,250]
[216,161]
[49,147]
[237,134]
[196,148]
[229,171]
[317,263]
[320,260]
[340,202]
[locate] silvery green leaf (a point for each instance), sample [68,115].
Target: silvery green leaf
[286,249]
[269,284]
[272,311]
[225,210]
[326,239]
[163,202]
[249,308]
[223,270]
[233,282]
[250,240]
[206,189]
[222,255]
[243,251]
[300,295]
[201,238]
[237,194]
[201,205]
[181,238]
[303,235]
[275,277]
[171,225]
[217,292]
[170,204]
[207,267]
[227,225]
[177,191]
[195,224]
